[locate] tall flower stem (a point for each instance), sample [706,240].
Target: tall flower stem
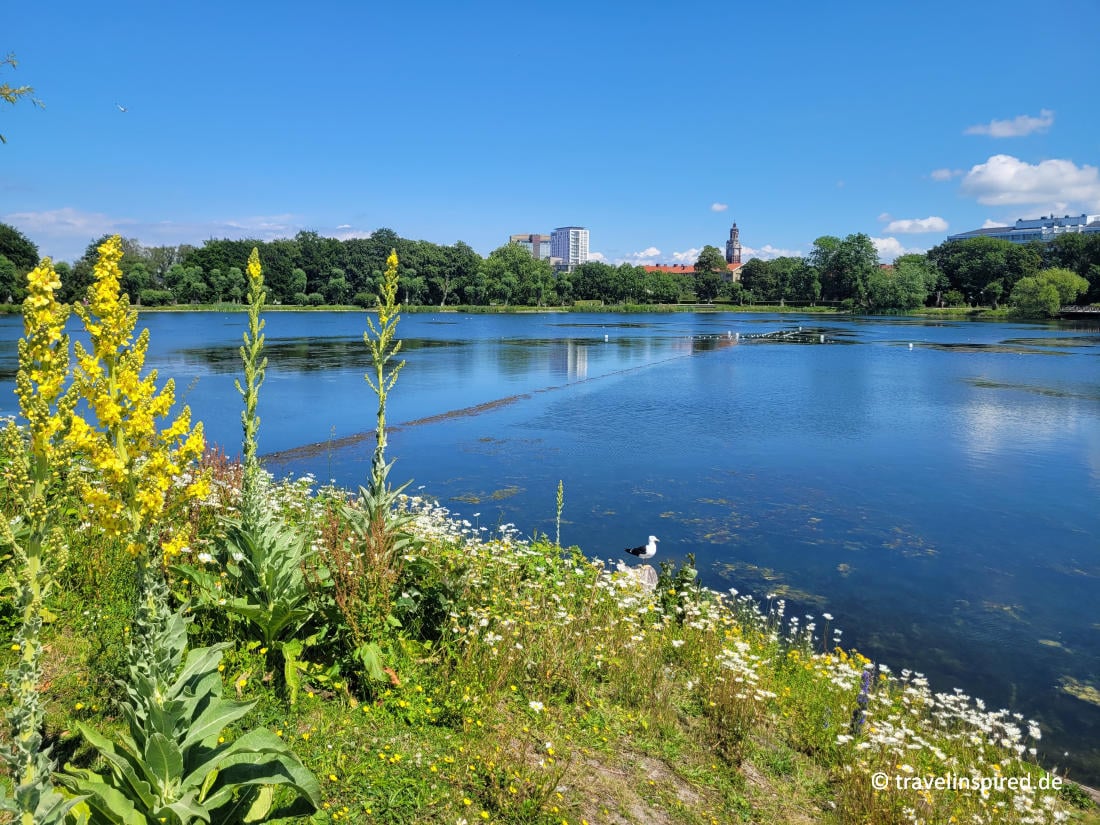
[384,346]
[43,368]
[134,463]
[255,367]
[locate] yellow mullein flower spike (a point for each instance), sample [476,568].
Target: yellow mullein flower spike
[134,463]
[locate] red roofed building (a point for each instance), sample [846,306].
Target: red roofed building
[733,271]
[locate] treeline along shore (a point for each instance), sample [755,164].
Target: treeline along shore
[1034,280]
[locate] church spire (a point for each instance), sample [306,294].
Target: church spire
[733,246]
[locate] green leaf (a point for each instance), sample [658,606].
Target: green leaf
[292,652]
[370,655]
[104,802]
[261,805]
[122,764]
[217,716]
[164,761]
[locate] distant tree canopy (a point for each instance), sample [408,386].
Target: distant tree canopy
[17,248]
[310,269]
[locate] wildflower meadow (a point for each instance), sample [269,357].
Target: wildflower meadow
[194,641]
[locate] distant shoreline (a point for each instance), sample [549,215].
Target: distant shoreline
[984,313]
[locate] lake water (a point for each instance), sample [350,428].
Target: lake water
[939,500]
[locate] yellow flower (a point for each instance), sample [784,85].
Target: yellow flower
[134,463]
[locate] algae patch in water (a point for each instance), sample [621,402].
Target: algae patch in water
[765,578]
[496,495]
[1081,690]
[1049,392]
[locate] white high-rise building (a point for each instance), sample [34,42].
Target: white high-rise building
[570,245]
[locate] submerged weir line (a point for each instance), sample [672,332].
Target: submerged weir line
[799,335]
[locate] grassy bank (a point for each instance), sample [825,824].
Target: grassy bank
[532,685]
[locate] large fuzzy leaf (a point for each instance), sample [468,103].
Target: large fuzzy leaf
[259,757]
[163,761]
[124,764]
[215,718]
[102,803]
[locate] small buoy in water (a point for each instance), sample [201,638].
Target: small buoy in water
[823,339]
[910,346]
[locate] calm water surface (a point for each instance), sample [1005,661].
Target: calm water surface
[940,501]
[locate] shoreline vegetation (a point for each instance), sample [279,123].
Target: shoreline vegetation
[194,640]
[976,313]
[1036,279]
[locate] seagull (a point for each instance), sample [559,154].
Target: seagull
[121,108]
[648,551]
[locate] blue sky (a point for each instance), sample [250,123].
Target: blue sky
[655,125]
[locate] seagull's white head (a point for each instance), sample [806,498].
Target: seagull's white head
[653,539]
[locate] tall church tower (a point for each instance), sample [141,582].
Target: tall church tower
[733,246]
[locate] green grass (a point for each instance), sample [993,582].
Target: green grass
[549,689]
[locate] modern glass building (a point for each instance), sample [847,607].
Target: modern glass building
[537,245]
[570,244]
[1044,229]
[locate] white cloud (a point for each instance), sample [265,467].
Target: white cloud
[346,233]
[689,256]
[344,226]
[1017,127]
[1057,185]
[946,174]
[890,248]
[649,255]
[719,207]
[885,216]
[66,222]
[64,233]
[767,252]
[597,256]
[915,226]
[992,224]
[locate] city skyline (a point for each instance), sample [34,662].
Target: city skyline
[206,121]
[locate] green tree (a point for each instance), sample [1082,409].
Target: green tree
[9,281]
[664,287]
[1069,284]
[337,289]
[135,280]
[710,261]
[799,281]
[844,266]
[1043,295]
[758,277]
[298,281]
[17,248]
[972,264]
[1035,298]
[516,277]
[593,281]
[218,282]
[707,286]
[902,288]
